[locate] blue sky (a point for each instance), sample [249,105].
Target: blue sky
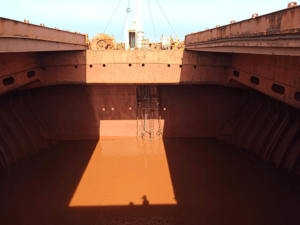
[92,16]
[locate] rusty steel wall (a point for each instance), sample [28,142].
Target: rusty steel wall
[90,106]
[32,120]
[214,89]
[275,33]
[24,129]
[41,117]
[285,21]
[266,127]
[275,76]
[17,36]
[108,67]
[156,67]
[267,74]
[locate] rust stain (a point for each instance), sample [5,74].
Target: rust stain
[281,22]
[12,28]
[275,21]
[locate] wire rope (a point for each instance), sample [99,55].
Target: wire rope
[152,20]
[112,16]
[127,11]
[166,17]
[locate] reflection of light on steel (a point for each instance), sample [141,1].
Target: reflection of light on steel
[122,171]
[110,129]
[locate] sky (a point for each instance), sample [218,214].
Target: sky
[92,16]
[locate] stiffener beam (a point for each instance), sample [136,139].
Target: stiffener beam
[277,33]
[17,36]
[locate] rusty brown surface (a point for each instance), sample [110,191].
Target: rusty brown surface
[17,36]
[292,4]
[263,46]
[102,42]
[153,67]
[123,169]
[87,112]
[93,122]
[18,44]
[266,127]
[123,67]
[270,70]
[275,30]
[117,171]
[110,112]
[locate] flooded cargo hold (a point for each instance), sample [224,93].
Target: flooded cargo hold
[92,133]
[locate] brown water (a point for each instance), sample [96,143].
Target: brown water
[121,172]
[91,182]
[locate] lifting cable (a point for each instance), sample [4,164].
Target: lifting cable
[127,11]
[112,16]
[166,18]
[152,20]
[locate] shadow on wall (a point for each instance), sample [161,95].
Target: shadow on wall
[110,111]
[196,110]
[32,70]
[77,111]
[205,68]
[213,184]
[32,120]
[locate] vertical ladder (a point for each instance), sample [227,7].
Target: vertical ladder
[151,126]
[147,108]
